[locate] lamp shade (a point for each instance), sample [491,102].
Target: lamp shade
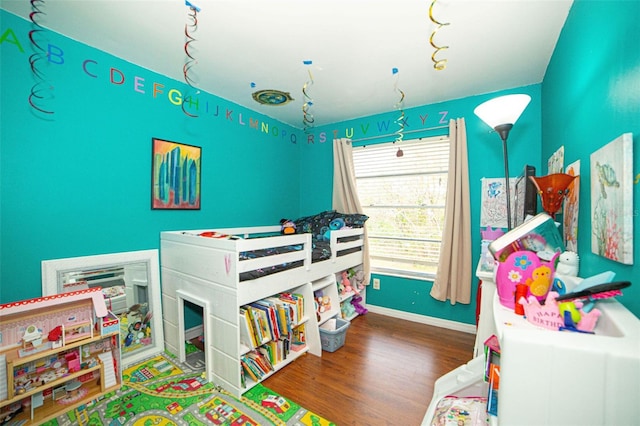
[502,110]
[552,189]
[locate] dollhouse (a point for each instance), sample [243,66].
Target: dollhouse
[56,353]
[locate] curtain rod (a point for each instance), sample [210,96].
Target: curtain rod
[394,134]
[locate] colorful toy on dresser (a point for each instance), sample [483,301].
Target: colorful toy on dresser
[527,270]
[527,259]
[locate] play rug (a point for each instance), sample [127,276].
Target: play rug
[161,391]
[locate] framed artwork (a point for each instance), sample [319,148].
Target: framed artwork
[571,209]
[612,200]
[175,175]
[525,196]
[555,163]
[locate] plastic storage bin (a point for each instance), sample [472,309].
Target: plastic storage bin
[333,334]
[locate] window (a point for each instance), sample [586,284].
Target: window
[404,197]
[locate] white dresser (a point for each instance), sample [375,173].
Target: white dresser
[557,378]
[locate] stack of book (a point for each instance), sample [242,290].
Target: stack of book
[268,329]
[255,364]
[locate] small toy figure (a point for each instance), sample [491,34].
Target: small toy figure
[568,264]
[287,227]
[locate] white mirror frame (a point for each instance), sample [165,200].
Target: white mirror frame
[53,269]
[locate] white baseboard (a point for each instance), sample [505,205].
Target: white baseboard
[424,319]
[194,332]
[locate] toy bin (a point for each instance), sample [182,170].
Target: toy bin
[333,334]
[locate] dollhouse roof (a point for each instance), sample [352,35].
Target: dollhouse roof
[95,294]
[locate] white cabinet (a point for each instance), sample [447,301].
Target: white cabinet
[565,378]
[558,378]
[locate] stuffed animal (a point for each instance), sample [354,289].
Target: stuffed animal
[346,283]
[334,225]
[356,301]
[324,304]
[347,310]
[356,277]
[287,227]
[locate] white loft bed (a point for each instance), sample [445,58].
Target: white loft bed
[218,259]
[207,272]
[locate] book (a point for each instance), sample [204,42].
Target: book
[494,388]
[539,235]
[260,323]
[255,321]
[247,334]
[283,326]
[272,316]
[248,371]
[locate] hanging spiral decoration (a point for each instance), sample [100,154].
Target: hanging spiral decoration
[190,27]
[400,107]
[307,116]
[41,89]
[438,64]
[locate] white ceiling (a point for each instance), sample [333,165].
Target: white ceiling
[353,47]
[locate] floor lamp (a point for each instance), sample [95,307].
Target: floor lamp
[501,114]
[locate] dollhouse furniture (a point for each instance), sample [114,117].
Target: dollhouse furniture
[32,337]
[221,270]
[86,365]
[558,377]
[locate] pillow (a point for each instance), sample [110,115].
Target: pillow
[319,223]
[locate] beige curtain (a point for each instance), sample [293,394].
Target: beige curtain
[453,280]
[345,193]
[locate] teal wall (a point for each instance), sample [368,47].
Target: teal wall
[77,182]
[485,160]
[591,95]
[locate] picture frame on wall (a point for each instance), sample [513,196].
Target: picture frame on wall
[525,197]
[611,169]
[175,175]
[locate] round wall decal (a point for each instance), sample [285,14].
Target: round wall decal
[272,97]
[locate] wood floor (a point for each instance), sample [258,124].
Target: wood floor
[383,375]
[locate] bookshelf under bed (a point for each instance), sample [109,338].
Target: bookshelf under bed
[222,270]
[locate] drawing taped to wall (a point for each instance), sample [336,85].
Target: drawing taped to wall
[571,209]
[612,200]
[175,175]
[555,163]
[493,211]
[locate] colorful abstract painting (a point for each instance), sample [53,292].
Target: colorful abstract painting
[175,175]
[612,200]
